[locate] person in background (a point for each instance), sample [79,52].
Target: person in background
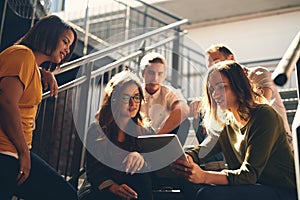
[252,138]
[259,76]
[23,173]
[114,165]
[164,106]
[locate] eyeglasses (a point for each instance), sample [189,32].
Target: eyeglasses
[126,98]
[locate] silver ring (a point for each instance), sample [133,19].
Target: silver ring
[21,172]
[185,169]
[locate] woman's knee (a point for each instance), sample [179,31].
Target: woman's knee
[204,193]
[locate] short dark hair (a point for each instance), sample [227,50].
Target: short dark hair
[221,48]
[44,36]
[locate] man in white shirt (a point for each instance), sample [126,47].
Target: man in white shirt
[164,106]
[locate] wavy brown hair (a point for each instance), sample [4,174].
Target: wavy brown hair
[240,85]
[106,115]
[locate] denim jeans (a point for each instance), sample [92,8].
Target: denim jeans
[43,182]
[246,192]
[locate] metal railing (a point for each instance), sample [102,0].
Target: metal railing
[62,122]
[284,70]
[116,22]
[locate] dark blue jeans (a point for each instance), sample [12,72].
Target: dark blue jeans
[236,192]
[43,182]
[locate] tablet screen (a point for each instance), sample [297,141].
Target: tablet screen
[160,151]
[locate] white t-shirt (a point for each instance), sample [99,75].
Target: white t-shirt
[158,106]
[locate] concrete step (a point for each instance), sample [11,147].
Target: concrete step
[288,93]
[290,103]
[290,115]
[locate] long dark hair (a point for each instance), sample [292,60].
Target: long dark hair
[44,36]
[106,116]
[247,97]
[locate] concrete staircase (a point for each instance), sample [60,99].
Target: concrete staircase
[290,101]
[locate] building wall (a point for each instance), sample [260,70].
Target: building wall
[253,39]
[264,38]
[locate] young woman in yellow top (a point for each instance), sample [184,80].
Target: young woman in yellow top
[23,173]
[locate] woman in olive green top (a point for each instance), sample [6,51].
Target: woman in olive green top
[252,137]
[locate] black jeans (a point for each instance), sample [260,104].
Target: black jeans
[43,182]
[236,192]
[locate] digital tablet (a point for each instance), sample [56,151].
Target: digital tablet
[160,151]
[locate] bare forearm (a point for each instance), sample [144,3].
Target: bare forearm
[49,82]
[213,177]
[179,113]
[194,174]
[172,122]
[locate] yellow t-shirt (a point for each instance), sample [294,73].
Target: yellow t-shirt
[19,60]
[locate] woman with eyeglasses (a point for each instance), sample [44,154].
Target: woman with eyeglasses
[114,165]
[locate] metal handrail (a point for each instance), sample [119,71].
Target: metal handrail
[101,53]
[76,63]
[287,64]
[66,86]
[130,57]
[280,76]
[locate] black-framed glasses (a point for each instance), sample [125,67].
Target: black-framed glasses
[126,98]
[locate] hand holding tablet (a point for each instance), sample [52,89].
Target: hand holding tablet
[160,151]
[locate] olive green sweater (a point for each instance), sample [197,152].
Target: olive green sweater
[257,153]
